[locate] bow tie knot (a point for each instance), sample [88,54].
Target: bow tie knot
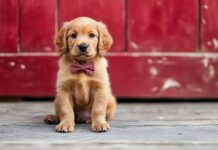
[88,68]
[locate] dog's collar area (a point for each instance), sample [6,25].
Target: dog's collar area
[86,67]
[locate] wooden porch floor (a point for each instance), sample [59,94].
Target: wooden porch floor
[155,126]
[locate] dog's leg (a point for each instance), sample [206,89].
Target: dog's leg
[98,115]
[64,109]
[111,108]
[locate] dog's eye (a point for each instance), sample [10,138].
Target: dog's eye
[74,35]
[91,35]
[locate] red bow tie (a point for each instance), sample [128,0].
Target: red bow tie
[88,68]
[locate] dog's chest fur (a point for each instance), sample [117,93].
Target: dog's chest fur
[83,97]
[81,91]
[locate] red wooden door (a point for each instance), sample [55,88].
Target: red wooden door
[162,48]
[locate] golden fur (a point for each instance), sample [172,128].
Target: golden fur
[81,97]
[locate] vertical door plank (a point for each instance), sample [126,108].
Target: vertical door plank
[209,26]
[163,25]
[8,25]
[37,25]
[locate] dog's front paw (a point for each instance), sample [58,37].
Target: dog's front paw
[100,126]
[65,127]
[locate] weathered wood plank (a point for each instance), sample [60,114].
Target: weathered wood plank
[209,27]
[105,147]
[133,124]
[8,25]
[162,25]
[38,23]
[179,75]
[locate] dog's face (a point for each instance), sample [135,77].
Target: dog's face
[83,38]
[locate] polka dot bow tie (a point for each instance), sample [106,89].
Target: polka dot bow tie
[88,68]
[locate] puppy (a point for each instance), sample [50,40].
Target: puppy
[83,87]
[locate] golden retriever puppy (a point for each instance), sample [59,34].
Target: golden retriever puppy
[83,86]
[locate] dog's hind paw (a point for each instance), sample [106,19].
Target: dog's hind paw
[51,119]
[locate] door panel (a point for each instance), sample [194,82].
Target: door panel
[8,25]
[162,25]
[209,26]
[37,25]
[111,12]
[144,76]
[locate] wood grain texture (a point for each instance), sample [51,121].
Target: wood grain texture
[8,25]
[111,12]
[209,26]
[157,126]
[133,75]
[162,25]
[37,25]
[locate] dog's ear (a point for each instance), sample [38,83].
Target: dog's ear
[105,39]
[60,39]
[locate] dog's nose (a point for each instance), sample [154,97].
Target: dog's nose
[83,47]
